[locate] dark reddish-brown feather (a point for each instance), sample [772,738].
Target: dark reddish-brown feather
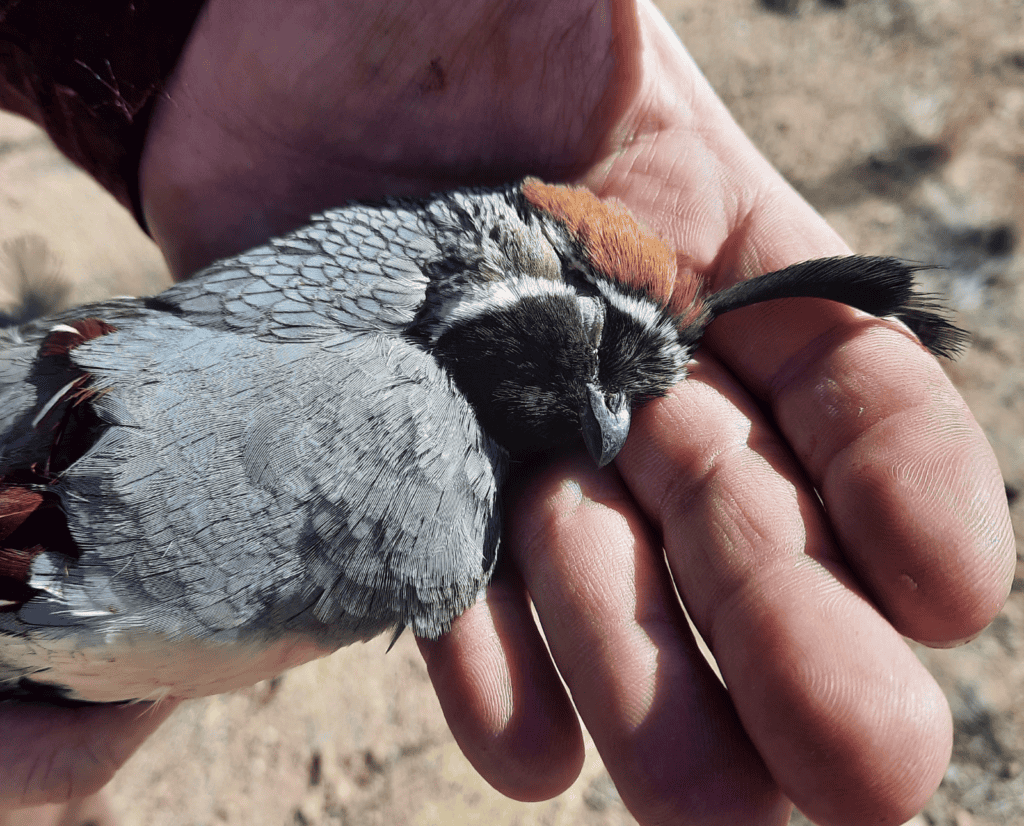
[621,247]
[71,422]
[62,342]
[31,522]
[17,504]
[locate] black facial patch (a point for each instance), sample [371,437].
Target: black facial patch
[524,368]
[637,359]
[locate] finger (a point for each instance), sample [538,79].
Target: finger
[259,128]
[912,488]
[52,755]
[847,720]
[661,720]
[876,426]
[503,699]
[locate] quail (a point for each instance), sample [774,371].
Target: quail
[305,445]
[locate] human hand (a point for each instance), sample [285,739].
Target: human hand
[53,755]
[274,117]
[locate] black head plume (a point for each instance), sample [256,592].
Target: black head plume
[880,286]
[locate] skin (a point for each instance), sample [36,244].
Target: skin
[272,115]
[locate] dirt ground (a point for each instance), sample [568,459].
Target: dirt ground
[903,122]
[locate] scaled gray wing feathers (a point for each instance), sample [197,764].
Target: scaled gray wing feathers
[349,272]
[279,456]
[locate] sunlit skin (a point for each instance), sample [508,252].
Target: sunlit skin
[804,606]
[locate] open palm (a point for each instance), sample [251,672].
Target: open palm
[818,487]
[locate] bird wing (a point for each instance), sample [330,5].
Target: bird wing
[357,270]
[354,270]
[243,488]
[28,382]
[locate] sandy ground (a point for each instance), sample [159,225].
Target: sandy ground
[903,122]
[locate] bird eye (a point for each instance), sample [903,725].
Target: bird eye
[615,401]
[637,358]
[592,311]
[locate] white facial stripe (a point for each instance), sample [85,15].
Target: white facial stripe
[592,311]
[487,297]
[650,317]
[646,312]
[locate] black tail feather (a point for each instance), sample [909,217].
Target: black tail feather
[877,285]
[927,316]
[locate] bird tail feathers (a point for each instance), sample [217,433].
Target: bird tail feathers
[877,285]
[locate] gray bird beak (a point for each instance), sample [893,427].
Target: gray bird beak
[605,424]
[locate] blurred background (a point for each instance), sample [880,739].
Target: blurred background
[902,121]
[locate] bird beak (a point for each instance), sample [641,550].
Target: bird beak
[605,424]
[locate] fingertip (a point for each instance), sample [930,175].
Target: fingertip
[938,554]
[850,723]
[909,481]
[888,785]
[502,698]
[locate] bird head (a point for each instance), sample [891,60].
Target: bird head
[578,316]
[571,335]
